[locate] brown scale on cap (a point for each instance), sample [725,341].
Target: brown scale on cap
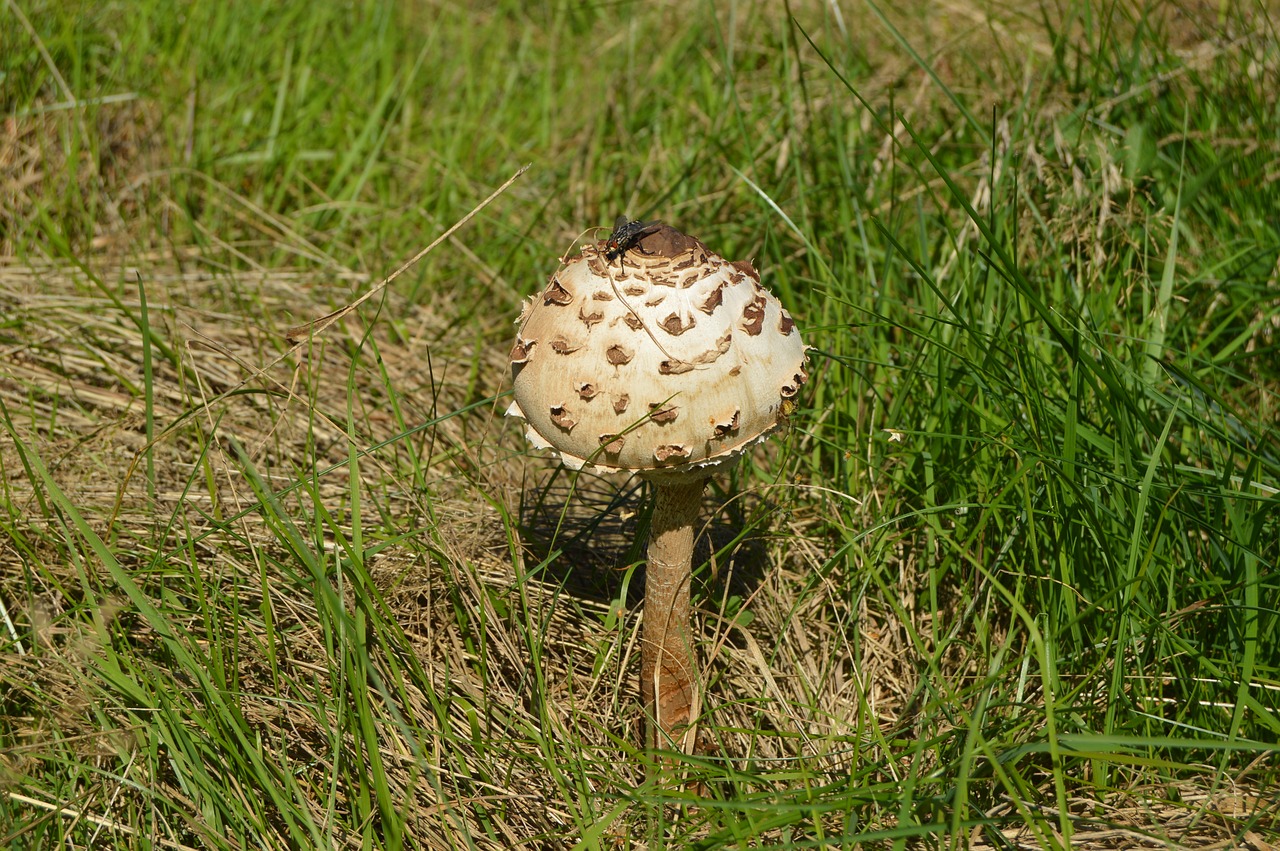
[661,415]
[521,351]
[753,315]
[560,416]
[791,389]
[713,301]
[666,241]
[669,452]
[745,267]
[675,326]
[557,294]
[723,427]
[618,356]
[666,319]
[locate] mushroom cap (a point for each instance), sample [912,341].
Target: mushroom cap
[668,361]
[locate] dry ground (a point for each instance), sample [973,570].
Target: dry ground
[73,383]
[71,380]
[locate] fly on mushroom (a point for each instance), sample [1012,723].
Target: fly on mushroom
[625,235]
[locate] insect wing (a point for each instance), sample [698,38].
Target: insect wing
[625,234]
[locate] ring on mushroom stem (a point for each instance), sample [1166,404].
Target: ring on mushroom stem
[712,362]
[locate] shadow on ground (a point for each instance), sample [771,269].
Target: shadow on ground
[585,536]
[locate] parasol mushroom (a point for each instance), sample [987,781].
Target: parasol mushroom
[649,353]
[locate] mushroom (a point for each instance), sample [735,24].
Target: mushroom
[679,362]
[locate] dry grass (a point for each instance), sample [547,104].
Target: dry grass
[498,596]
[1177,816]
[828,675]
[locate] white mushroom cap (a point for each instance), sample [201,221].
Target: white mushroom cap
[669,360]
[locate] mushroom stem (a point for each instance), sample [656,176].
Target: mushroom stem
[667,663]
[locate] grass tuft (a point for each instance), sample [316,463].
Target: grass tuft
[1010,580]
